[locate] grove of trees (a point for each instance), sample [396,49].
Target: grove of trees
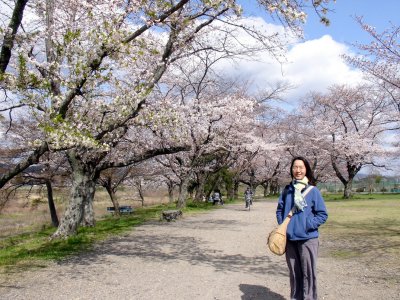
[111,93]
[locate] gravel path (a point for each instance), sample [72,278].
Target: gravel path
[216,255]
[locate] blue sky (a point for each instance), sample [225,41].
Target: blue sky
[343,27]
[316,63]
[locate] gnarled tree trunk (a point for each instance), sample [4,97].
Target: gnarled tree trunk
[80,206]
[88,219]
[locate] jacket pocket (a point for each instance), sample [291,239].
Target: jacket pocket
[310,224]
[299,226]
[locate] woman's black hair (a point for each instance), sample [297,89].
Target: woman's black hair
[309,173]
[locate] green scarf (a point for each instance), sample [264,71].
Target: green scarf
[299,200]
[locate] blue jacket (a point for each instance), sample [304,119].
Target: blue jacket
[304,224]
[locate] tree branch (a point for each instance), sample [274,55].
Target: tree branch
[144,156]
[9,37]
[32,159]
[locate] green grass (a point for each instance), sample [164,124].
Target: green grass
[329,197]
[34,249]
[366,227]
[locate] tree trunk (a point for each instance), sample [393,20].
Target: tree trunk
[140,191]
[52,207]
[88,219]
[50,48]
[252,179]
[347,190]
[113,197]
[230,192]
[33,158]
[352,170]
[170,191]
[236,189]
[215,183]
[265,185]
[82,192]
[182,193]
[274,188]
[9,36]
[200,187]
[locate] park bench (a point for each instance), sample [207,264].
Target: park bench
[125,209]
[170,215]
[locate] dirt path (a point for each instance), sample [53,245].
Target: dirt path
[216,255]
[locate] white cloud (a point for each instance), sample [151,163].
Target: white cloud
[317,64]
[311,65]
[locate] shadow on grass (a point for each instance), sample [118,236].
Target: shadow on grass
[257,292]
[370,239]
[367,236]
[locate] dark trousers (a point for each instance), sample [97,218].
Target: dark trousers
[301,258]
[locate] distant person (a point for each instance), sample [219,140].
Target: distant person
[309,212]
[248,197]
[217,197]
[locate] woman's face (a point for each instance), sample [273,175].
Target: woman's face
[299,169]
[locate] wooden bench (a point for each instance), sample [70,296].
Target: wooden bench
[170,215]
[125,209]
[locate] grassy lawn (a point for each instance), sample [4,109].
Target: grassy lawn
[367,223]
[365,228]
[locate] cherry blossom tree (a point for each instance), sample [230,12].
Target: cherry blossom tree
[301,136]
[212,128]
[220,116]
[84,72]
[92,41]
[380,59]
[380,62]
[266,169]
[262,157]
[351,122]
[70,120]
[68,49]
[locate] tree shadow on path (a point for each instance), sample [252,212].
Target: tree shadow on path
[258,292]
[166,243]
[163,248]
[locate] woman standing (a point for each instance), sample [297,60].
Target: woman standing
[309,212]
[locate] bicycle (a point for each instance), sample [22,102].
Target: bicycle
[248,200]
